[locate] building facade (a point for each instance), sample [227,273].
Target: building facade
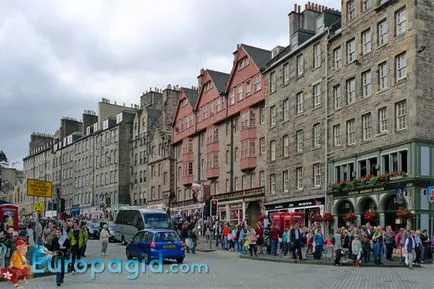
[379,111]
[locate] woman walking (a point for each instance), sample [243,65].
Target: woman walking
[319,244]
[104,238]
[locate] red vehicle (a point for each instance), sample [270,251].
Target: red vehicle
[287,219]
[9,213]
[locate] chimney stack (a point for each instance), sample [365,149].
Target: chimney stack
[295,7]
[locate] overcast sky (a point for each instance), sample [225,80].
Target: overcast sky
[59,58]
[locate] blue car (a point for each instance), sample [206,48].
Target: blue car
[149,244]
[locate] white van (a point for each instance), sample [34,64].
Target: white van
[130,220]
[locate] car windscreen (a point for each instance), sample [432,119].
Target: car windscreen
[94,226]
[156,221]
[166,237]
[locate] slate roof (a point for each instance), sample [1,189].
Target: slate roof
[260,56]
[153,115]
[191,95]
[220,79]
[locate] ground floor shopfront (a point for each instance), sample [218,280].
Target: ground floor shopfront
[385,200]
[185,209]
[306,206]
[245,205]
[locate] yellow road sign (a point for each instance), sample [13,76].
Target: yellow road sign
[36,188]
[38,207]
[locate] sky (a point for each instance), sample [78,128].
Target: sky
[59,58]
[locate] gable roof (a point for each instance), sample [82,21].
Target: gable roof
[220,79]
[260,56]
[191,95]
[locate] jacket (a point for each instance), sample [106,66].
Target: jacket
[292,235]
[410,244]
[81,239]
[104,236]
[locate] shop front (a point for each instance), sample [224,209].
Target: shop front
[305,206]
[184,209]
[237,206]
[383,204]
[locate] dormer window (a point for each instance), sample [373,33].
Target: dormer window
[320,24]
[243,63]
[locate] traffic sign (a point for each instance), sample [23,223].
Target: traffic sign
[37,188]
[38,207]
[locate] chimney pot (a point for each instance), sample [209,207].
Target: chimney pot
[299,9]
[316,7]
[308,5]
[295,7]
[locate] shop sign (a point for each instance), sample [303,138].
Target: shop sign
[366,191]
[236,207]
[298,204]
[240,194]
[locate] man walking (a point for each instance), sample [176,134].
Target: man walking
[76,238]
[410,246]
[295,239]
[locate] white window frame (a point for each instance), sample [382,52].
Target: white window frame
[401,21]
[401,115]
[366,126]
[316,55]
[351,10]
[261,178]
[337,135]
[317,95]
[273,115]
[367,83]
[285,181]
[262,145]
[285,73]
[299,177]
[248,88]
[382,31]
[337,52]
[382,119]
[299,135]
[273,82]
[232,97]
[351,91]
[317,135]
[300,65]
[401,67]
[351,50]
[285,143]
[366,41]
[337,96]
[366,5]
[240,95]
[286,110]
[317,175]
[273,184]
[351,133]
[272,150]
[383,75]
[300,103]
[258,84]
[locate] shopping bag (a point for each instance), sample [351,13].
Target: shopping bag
[396,253]
[189,243]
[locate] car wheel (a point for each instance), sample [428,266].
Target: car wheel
[179,260]
[129,257]
[123,241]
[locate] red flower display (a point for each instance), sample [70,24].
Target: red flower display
[403,213]
[328,217]
[370,215]
[350,217]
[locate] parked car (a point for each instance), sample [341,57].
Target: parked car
[111,226]
[93,230]
[148,244]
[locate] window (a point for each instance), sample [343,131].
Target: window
[400,67]
[316,135]
[382,32]
[262,178]
[273,115]
[337,135]
[351,134]
[227,186]
[262,115]
[337,57]
[262,146]
[383,75]
[253,180]
[382,119]
[316,55]
[236,154]
[258,82]
[317,175]
[401,115]
[231,97]
[285,142]
[400,21]
[273,184]
[285,181]
[351,10]
[252,146]
[366,83]
[366,4]
[317,95]
[244,182]
[299,177]
[337,96]
[243,63]
[351,91]
[272,150]
[285,73]
[299,139]
[240,93]
[248,88]
[351,50]
[300,103]
[273,82]
[236,183]
[285,110]
[366,126]
[366,41]
[190,168]
[300,65]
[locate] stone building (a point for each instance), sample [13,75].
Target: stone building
[380,88]
[296,109]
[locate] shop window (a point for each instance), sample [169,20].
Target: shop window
[386,164]
[362,167]
[404,161]
[373,166]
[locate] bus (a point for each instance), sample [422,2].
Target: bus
[130,220]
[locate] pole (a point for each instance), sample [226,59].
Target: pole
[210,222]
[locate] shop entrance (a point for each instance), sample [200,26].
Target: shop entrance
[391,205]
[252,213]
[342,208]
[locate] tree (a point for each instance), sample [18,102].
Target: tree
[3,158]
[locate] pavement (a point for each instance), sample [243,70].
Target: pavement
[227,270]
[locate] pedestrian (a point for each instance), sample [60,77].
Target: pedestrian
[76,238]
[260,237]
[295,239]
[337,243]
[49,234]
[409,246]
[85,233]
[378,238]
[319,244]
[357,250]
[104,239]
[252,244]
[61,247]
[389,240]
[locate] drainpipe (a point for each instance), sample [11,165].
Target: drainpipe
[199,160]
[326,147]
[231,181]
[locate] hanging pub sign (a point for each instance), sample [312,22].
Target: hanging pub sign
[430,194]
[399,196]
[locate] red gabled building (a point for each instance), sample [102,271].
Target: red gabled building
[224,145]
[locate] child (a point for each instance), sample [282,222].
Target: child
[356,247]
